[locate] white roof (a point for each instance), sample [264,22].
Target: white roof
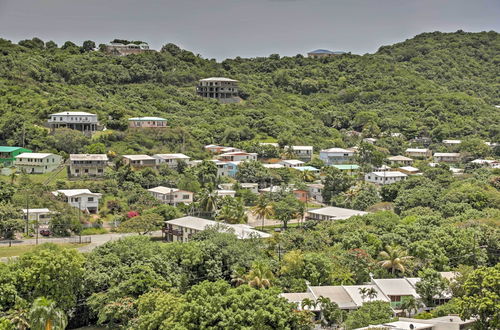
[88,157]
[338,150]
[241,231]
[353,291]
[235,153]
[218,79]
[446,154]
[400,325]
[163,190]
[417,150]
[399,157]
[302,148]
[452,141]
[74,192]
[36,211]
[273,165]
[483,161]
[389,174]
[73,113]
[33,155]
[171,156]
[225,192]
[409,168]
[138,157]
[292,161]
[395,287]
[337,212]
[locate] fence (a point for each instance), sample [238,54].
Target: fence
[41,240]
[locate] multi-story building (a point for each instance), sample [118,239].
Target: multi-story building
[119,49]
[237,156]
[84,122]
[336,156]
[396,160]
[83,199]
[147,122]
[316,191]
[37,163]
[418,153]
[92,165]
[139,161]
[171,196]
[304,153]
[8,155]
[385,177]
[447,157]
[172,160]
[224,90]
[291,163]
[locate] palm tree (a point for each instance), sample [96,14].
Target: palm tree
[238,276]
[308,304]
[208,201]
[307,176]
[263,209]
[13,175]
[372,293]
[44,315]
[260,276]
[394,258]
[410,304]
[363,292]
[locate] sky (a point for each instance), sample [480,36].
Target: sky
[248,28]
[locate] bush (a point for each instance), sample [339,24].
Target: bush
[94,231]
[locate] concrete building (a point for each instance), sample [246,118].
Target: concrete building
[316,191]
[385,177]
[92,165]
[217,149]
[37,163]
[171,196]
[139,161]
[147,122]
[182,229]
[119,49]
[451,143]
[224,192]
[304,153]
[332,213]
[273,166]
[336,156]
[40,216]
[83,199]
[237,156]
[400,160]
[253,187]
[409,170]
[84,122]
[224,90]
[418,153]
[447,157]
[291,163]
[8,155]
[320,53]
[172,160]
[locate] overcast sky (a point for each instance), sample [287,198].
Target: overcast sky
[248,28]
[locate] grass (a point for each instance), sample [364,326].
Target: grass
[18,250]
[270,229]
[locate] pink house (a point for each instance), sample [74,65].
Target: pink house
[147,122]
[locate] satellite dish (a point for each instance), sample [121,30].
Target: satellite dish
[412,326]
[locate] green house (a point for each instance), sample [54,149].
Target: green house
[8,155]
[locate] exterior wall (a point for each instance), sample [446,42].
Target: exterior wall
[42,217]
[224,91]
[124,50]
[83,123]
[87,168]
[238,158]
[402,162]
[301,195]
[140,163]
[38,166]
[8,158]
[147,123]
[320,217]
[419,154]
[331,158]
[84,201]
[382,180]
[174,233]
[174,198]
[446,159]
[316,193]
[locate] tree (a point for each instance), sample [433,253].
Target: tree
[260,276]
[253,172]
[208,201]
[88,45]
[68,140]
[335,182]
[330,312]
[481,299]
[207,173]
[44,315]
[287,209]
[143,224]
[232,211]
[263,209]
[431,285]
[394,258]
[10,220]
[410,304]
[374,312]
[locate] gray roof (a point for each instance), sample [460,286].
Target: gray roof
[218,79]
[337,212]
[447,154]
[399,158]
[37,155]
[336,294]
[396,287]
[74,192]
[88,157]
[139,157]
[73,113]
[389,174]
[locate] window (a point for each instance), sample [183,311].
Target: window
[395,298]
[185,196]
[90,199]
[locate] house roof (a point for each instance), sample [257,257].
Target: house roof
[446,154]
[171,156]
[218,79]
[302,148]
[400,325]
[336,294]
[452,141]
[399,158]
[297,297]
[163,190]
[292,161]
[337,150]
[139,157]
[73,113]
[326,51]
[417,150]
[273,165]
[74,192]
[88,157]
[389,174]
[10,149]
[147,119]
[346,166]
[306,168]
[358,299]
[409,168]
[395,287]
[337,212]
[241,231]
[36,211]
[33,155]
[225,192]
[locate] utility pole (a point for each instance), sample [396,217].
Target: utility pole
[37,229]
[80,217]
[27,213]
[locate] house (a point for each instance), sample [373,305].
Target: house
[224,90]
[486,162]
[336,156]
[301,195]
[139,161]
[119,49]
[409,170]
[84,122]
[349,168]
[320,53]
[273,166]
[182,229]
[37,163]
[449,322]
[216,149]
[385,177]
[311,169]
[400,325]
[223,192]
[332,213]
[147,122]
[171,196]
[316,191]
[304,153]
[370,140]
[451,143]
[291,163]
[237,156]
[447,157]
[172,160]
[87,165]
[83,199]
[396,289]
[253,187]
[418,153]
[40,216]
[8,155]
[400,160]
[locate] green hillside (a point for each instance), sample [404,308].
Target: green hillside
[442,85]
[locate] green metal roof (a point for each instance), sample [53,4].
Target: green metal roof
[11,149]
[346,166]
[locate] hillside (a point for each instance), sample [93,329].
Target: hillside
[442,85]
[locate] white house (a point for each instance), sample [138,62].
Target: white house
[237,156]
[386,177]
[332,213]
[451,143]
[418,153]
[85,122]
[83,199]
[87,164]
[139,161]
[41,216]
[336,156]
[172,160]
[302,152]
[370,140]
[316,191]
[292,163]
[223,192]
[447,157]
[39,163]
[253,187]
[182,229]
[171,196]
[273,166]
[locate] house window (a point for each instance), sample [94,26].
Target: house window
[395,298]
[185,196]
[90,199]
